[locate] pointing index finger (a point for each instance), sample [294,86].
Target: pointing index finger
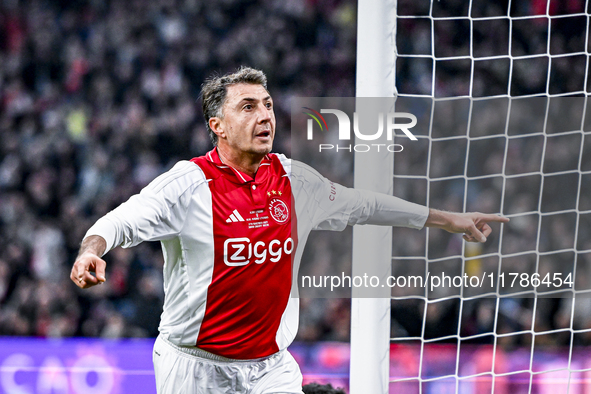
[493,218]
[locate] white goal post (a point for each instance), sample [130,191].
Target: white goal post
[370,317]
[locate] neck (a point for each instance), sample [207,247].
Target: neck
[248,163]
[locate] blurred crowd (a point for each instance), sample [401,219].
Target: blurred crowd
[99,97]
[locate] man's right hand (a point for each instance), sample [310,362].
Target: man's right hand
[89,262]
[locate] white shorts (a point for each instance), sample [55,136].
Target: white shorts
[182,370]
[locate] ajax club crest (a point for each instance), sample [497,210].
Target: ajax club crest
[278,210]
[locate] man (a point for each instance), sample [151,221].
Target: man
[233,224]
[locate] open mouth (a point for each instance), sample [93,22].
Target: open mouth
[264,134]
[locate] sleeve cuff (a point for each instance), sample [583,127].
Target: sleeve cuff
[394,211]
[106,230]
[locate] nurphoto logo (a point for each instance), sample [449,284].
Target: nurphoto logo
[391,120]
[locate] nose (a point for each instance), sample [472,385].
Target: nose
[265,114]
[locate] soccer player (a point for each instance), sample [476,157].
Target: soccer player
[233,225]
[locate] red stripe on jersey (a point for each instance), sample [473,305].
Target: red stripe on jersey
[252,273]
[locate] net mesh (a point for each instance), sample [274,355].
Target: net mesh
[500,90]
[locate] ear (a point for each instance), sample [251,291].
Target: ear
[216,126]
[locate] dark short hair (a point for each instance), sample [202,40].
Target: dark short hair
[315,388]
[215,88]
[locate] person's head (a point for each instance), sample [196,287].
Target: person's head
[315,388]
[238,110]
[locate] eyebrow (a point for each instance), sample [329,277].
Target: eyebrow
[251,99]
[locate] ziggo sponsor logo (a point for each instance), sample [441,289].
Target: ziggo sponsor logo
[239,251]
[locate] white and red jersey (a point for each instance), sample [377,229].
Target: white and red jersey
[232,245]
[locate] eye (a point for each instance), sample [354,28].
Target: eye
[247,106]
[269,105]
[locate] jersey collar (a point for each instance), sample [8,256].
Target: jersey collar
[241,177]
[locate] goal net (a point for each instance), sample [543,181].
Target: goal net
[504,126]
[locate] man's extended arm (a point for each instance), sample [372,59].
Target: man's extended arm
[338,206]
[88,261]
[474,225]
[155,214]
